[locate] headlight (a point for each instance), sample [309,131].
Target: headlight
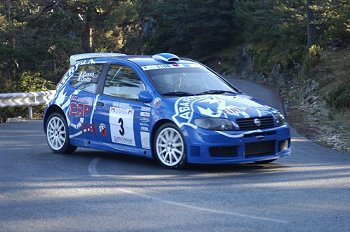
[218,124]
[280,120]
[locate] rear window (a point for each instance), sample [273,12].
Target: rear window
[86,77]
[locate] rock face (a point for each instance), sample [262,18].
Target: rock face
[245,63]
[245,68]
[276,74]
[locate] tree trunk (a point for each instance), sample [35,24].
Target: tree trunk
[87,38]
[311,31]
[12,38]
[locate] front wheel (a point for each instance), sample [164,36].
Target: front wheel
[169,146]
[57,135]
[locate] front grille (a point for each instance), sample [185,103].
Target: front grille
[259,149]
[249,124]
[228,151]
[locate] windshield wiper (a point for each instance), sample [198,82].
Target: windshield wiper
[179,93]
[216,92]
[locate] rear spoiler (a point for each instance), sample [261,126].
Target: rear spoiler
[76,57]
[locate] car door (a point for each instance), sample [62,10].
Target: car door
[118,111]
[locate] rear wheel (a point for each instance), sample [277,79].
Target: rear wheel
[169,146]
[57,135]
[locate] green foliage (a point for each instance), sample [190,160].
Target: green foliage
[339,97]
[33,82]
[332,19]
[193,28]
[275,30]
[313,57]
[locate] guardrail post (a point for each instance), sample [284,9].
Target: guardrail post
[30,112]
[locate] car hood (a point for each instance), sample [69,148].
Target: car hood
[218,106]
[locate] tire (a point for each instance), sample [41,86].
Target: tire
[169,146]
[57,135]
[265,161]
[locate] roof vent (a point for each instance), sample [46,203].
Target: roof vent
[167,57]
[75,58]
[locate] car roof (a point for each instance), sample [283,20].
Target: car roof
[141,60]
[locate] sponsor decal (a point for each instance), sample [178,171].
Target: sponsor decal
[80,106]
[157,102]
[146,109]
[122,125]
[234,110]
[71,72]
[167,66]
[144,124]
[145,114]
[144,119]
[79,109]
[61,98]
[145,140]
[86,76]
[88,128]
[143,128]
[85,100]
[184,110]
[212,106]
[102,129]
[76,125]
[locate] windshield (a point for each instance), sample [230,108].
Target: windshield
[188,81]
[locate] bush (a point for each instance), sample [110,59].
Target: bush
[33,82]
[339,97]
[29,82]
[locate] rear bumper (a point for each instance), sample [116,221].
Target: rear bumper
[239,147]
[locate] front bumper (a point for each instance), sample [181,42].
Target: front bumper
[236,147]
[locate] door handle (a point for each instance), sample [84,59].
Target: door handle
[100,104]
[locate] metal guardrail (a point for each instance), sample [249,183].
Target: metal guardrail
[26,99]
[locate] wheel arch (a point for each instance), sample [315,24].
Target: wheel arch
[52,109]
[155,129]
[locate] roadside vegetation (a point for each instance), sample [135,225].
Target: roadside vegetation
[300,46]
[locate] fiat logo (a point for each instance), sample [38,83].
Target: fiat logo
[257,122]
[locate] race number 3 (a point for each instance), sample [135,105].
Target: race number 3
[121,124]
[121,121]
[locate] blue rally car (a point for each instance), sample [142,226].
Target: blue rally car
[163,107]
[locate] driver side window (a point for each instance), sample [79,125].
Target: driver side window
[123,82]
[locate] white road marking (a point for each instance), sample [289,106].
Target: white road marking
[203,209]
[92,167]
[94,173]
[16,136]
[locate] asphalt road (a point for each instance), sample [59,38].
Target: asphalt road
[98,191]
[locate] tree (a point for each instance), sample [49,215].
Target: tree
[311,30]
[193,27]
[279,31]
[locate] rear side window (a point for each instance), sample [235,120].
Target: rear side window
[123,82]
[86,77]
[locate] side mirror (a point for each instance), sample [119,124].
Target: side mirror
[145,97]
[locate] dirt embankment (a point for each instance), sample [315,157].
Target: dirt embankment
[317,104]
